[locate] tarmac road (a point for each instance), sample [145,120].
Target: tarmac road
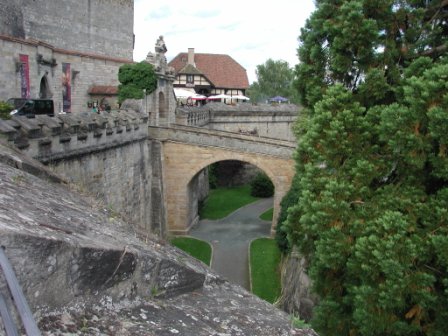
[230,238]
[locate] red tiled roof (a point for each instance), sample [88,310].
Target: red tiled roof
[222,70]
[103,90]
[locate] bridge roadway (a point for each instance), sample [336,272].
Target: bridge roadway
[188,150]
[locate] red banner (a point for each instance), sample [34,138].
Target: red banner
[66,88]
[24,76]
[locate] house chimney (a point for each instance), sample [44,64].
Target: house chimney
[191,56]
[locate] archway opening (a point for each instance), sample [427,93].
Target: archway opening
[226,225]
[44,88]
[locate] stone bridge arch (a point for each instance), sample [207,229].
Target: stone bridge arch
[182,162]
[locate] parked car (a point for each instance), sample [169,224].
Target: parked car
[31,107]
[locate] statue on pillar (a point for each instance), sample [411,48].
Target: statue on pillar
[158,58]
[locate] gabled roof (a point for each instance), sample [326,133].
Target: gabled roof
[189,70]
[222,70]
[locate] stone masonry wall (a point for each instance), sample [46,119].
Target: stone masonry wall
[11,19]
[120,176]
[271,125]
[104,27]
[85,72]
[107,154]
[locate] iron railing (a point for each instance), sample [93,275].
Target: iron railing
[19,300]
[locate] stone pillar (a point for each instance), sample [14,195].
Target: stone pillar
[161,103]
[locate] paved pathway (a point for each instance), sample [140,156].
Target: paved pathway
[230,239]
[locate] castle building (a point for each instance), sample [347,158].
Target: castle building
[66,50]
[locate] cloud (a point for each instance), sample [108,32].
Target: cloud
[176,31]
[250,46]
[249,34]
[159,13]
[206,13]
[230,26]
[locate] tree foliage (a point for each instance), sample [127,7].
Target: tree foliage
[135,78]
[274,78]
[372,166]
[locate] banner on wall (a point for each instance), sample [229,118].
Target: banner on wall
[66,88]
[24,76]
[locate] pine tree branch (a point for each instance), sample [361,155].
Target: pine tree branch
[433,51]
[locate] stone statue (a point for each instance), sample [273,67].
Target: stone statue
[161,46]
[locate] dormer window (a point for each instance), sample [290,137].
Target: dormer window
[190,79]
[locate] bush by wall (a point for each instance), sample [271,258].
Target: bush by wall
[261,186]
[5,108]
[281,230]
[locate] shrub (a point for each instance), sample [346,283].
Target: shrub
[261,186]
[5,108]
[283,229]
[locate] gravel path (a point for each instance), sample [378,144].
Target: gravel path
[230,238]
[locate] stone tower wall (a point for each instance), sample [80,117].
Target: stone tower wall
[104,27]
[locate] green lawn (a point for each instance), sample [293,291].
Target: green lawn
[267,215]
[197,248]
[221,202]
[265,275]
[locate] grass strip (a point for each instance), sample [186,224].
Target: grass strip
[264,265]
[221,202]
[267,215]
[197,248]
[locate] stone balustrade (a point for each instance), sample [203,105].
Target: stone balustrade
[193,116]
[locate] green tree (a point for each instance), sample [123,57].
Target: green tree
[372,166]
[274,78]
[135,78]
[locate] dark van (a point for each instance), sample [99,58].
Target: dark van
[31,107]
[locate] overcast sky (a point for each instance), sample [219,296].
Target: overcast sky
[250,32]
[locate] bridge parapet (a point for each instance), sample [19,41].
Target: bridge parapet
[193,116]
[66,135]
[266,120]
[228,140]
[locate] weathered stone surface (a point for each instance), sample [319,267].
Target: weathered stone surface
[296,296]
[133,105]
[85,273]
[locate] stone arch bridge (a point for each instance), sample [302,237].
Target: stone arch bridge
[146,173]
[186,151]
